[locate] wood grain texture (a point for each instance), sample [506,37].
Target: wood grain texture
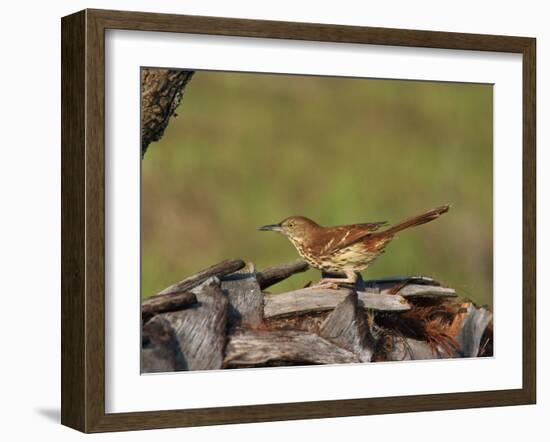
[347,327]
[94,51]
[145,21]
[200,329]
[221,269]
[73,255]
[166,303]
[317,300]
[246,301]
[473,326]
[529,221]
[280,347]
[83,197]
[426,291]
[408,349]
[160,350]
[274,274]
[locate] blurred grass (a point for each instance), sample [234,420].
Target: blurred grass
[252,149]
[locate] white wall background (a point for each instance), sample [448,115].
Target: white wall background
[30,216]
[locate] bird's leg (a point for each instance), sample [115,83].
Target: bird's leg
[325,283]
[351,278]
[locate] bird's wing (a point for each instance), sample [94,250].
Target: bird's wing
[336,238]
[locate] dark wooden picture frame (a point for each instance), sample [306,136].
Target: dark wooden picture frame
[83,220]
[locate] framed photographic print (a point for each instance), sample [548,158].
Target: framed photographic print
[269,220]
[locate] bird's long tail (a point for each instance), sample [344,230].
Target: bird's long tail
[424,218]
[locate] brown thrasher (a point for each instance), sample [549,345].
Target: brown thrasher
[344,249]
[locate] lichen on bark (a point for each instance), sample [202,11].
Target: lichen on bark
[161,93]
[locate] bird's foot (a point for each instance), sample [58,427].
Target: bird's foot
[329,283]
[323,284]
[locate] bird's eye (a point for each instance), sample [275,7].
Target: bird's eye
[290,224]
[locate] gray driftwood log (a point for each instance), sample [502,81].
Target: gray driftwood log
[199,330]
[246,301]
[347,327]
[221,318]
[221,269]
[166,303]
[474,324]
[425,291]
[160,350]
[248,348]
[311,300]
[408,349]
[273,275]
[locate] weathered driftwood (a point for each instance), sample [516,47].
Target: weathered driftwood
[473,326]
[426,291]
[221,269]
[347,327]
[248,348]
[166,303]
[232,324]
[382,302]
[316,300]
[272,275]
[160,349]
[246,301]
[408,349]
[200,329]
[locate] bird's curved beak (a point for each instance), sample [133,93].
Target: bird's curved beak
[272,228]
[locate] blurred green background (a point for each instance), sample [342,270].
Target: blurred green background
[251,149]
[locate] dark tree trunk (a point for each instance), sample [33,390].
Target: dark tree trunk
[161,93]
